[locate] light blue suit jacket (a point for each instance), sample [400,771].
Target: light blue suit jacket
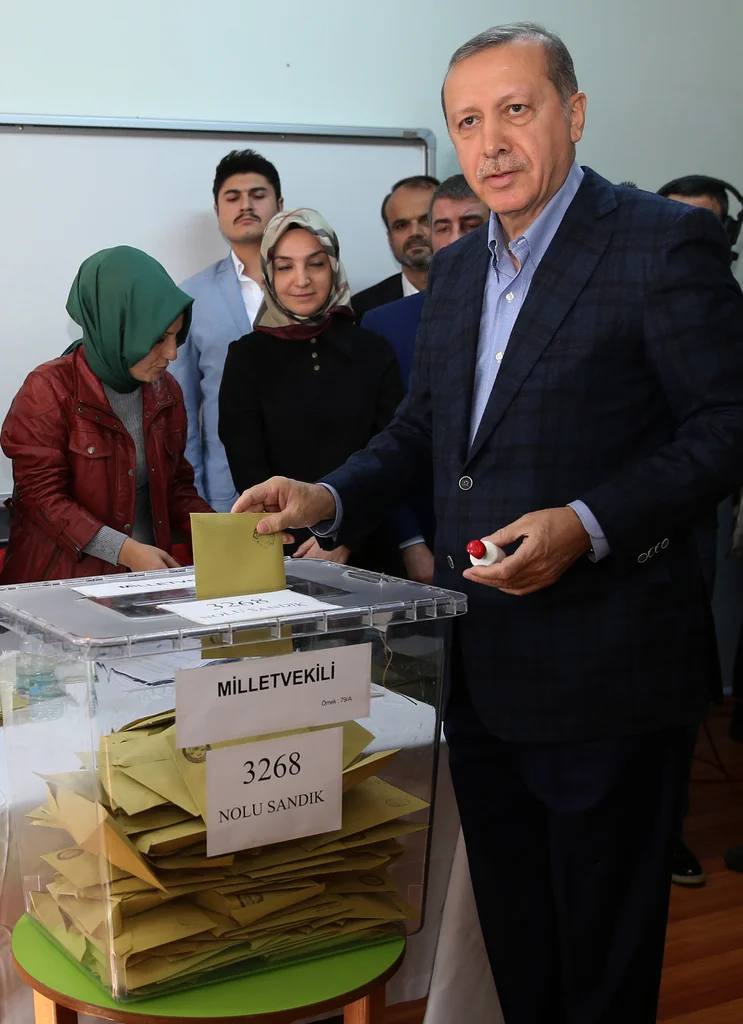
[219,317]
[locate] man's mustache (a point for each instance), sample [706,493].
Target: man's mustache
[490,167]
[415,242]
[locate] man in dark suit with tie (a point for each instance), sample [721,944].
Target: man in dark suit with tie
[577,390]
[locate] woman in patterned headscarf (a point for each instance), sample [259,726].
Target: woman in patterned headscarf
[307,388]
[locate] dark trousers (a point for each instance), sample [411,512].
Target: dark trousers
[569,846]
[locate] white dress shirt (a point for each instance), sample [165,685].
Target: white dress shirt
[408,288]
[250,290]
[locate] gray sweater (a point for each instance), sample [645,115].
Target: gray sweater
[107,543]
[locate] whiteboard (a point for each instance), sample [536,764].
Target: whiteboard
[68,191]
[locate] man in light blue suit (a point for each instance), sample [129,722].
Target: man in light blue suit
[227,296]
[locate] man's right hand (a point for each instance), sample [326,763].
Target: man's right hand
[291,504]
[143,557]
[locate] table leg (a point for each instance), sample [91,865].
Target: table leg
[369,1010]
[48,1012]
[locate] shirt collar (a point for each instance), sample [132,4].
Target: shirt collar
[543,230]
[240,269]
[408,288]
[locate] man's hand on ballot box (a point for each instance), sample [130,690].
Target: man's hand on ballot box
[143,557]
[311,549]
[291,504]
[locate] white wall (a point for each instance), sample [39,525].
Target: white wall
[662,76]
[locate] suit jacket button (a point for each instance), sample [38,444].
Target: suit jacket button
[450,561]
[131,472]
[91,450]
[128,528]
[651,552]
[465,482]
[642,558]
[664,544]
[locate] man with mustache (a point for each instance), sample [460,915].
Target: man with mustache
[405,212]
[577,394]
[247,193]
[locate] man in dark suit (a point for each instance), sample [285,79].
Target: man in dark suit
[405,212]
[578,391]
[455,211]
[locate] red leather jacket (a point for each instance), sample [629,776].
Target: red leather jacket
[73,467]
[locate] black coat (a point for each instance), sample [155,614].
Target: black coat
[300,408]
[377,295]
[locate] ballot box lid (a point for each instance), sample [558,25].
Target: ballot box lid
[132,614]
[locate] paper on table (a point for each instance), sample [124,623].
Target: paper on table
[231,559]
[247,607]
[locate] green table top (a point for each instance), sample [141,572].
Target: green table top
[295,987]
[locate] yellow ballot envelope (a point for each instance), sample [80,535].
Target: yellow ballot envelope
[231,559]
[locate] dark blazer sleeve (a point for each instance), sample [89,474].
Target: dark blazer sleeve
[693,331]
[241,428]
[396,462]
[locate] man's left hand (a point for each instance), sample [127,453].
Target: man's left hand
[551,540]
[311,549]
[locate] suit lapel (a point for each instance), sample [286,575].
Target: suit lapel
[561,276]
[461,370]
[230,289]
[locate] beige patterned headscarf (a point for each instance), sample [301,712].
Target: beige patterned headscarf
[274,317]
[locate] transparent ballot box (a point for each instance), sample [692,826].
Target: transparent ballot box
[203,789]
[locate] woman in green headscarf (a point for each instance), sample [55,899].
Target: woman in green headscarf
[97,436]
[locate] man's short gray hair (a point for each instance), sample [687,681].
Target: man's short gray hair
[455,187]
[560,69]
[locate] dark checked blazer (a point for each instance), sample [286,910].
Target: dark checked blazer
[622,385]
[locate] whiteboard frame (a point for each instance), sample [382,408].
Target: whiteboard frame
[422,136]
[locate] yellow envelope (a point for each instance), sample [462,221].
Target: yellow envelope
[231,559]
[361,882]
[366,767]
[128,793]
[95,917]
[83,869]
[164,779]
[171,838]
[151,722]
[46,911]
[93,828]
[247,908]
[371,803]
[158,817]
[176,920]
[190,764]
[377,834]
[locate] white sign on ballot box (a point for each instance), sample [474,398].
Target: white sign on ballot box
[223,610]
[147,585]
[274,790]
[220,702]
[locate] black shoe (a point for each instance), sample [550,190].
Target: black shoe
[736,723]
[685,868]
[734,858]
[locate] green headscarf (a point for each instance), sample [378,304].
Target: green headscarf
[124,301]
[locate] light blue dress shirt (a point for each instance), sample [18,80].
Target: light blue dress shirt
[506,289]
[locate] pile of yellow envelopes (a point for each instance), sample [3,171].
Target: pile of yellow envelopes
[137,902]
